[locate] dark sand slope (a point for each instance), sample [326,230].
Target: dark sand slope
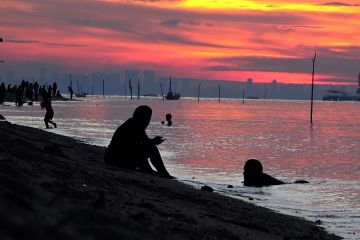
[53,187]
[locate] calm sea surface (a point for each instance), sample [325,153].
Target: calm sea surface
[210,141]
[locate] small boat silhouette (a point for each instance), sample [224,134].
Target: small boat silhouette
[172,95]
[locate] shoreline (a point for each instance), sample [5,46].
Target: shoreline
[53,186]
[10,98]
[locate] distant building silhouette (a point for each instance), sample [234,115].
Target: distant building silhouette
[43,75]
[149,83]
[9,76]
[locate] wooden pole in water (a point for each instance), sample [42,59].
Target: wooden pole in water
[199,92]
[138,88]
[130,87]
[71,96]
[170,85]
[219,92]
[77,84]
[265,94]
[103,88]
[243,97]
[312,90]
[162,92]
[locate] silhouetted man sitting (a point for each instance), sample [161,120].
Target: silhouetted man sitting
[254,176]
[131,148]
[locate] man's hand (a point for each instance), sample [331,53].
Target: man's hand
[157,140]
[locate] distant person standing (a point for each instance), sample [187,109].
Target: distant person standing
[71,92]
[54,89]
[31,91]
[58,94]
[36,91]
[2,93]
[49,89]
[19,96]
[42,90]
[46,103]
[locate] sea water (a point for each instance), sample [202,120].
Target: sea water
[210,141]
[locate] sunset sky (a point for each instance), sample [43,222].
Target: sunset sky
[229,40]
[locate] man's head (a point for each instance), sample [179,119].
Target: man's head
[253,166]
[142,115]
[252,171]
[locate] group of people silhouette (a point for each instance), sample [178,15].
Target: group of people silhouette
[27,91]
[33,92]
[131,148]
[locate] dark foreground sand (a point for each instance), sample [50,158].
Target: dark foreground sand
[53,187]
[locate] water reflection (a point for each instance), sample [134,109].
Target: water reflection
[210,141]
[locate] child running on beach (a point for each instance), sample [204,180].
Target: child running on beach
[46,103]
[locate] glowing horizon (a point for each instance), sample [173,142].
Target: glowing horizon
[193,39]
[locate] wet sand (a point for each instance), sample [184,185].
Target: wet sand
[54,187]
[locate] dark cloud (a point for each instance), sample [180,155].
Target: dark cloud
[85,21]
[178,39]
[306,26]
[337,80]
[171,22]
[65,45]
[324,64]
[178,23]
[24,41]
[339,4]
[345,52]
[21,41]
[193,23]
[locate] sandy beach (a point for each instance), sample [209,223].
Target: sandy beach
[54,187]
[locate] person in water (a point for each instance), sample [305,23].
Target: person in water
[131,148]
[168,117]
[46,103]
[254,176]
